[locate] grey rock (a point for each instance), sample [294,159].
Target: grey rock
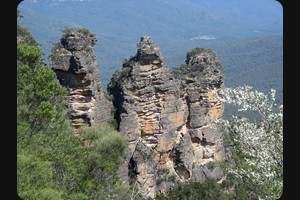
[76,68]
[167,115]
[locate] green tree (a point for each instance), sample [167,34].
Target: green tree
[39,95]
[206,190]
[255,149]
[107,148]
[51,163]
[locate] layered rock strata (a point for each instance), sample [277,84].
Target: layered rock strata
[166,117]
[75,65]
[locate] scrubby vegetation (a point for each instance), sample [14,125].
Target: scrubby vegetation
[53,164]
[255,148]
[198,67]
[51,161]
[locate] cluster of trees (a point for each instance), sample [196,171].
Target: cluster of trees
[254,61]
[53,164]
[51,161]
[255,148]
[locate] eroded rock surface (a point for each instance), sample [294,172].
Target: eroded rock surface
[75,65]
[165,115]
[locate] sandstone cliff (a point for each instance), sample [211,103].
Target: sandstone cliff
[75,65]
[165,115]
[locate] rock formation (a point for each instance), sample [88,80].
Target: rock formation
[75,65]
[166,115]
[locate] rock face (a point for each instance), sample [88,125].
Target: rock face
[165,115]
[75,65]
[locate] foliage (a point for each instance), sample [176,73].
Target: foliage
[28,54]
[256,148]
[83,31]
[107,149]
[114,123]
[180,71]
[39,95]
[54,53]
[237,188]
[53,165]
[23,34]
[209,189]
[194,52]
[254,61]
[232,187]
[120,75]
[129,62]
[198,68]
[51,162]
[43,175]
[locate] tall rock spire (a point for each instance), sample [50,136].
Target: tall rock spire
[75,65]
[165,116]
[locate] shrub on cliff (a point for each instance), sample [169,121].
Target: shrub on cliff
[194,52]
[199,63]
[39,95]
[209,189]
[107,148]
[51,162]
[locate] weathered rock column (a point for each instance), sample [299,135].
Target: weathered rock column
[75,65]
[165,117]
[202,79]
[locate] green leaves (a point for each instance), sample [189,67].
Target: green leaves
[28,55]
[52,163]
[35,175]
[107,147]
[209,189]
[258,146]
[39,95]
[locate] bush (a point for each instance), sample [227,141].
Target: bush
[194,52]
[83,31]
[120,75]
[107,149]
[51,162]
[256,148]
[207,190]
